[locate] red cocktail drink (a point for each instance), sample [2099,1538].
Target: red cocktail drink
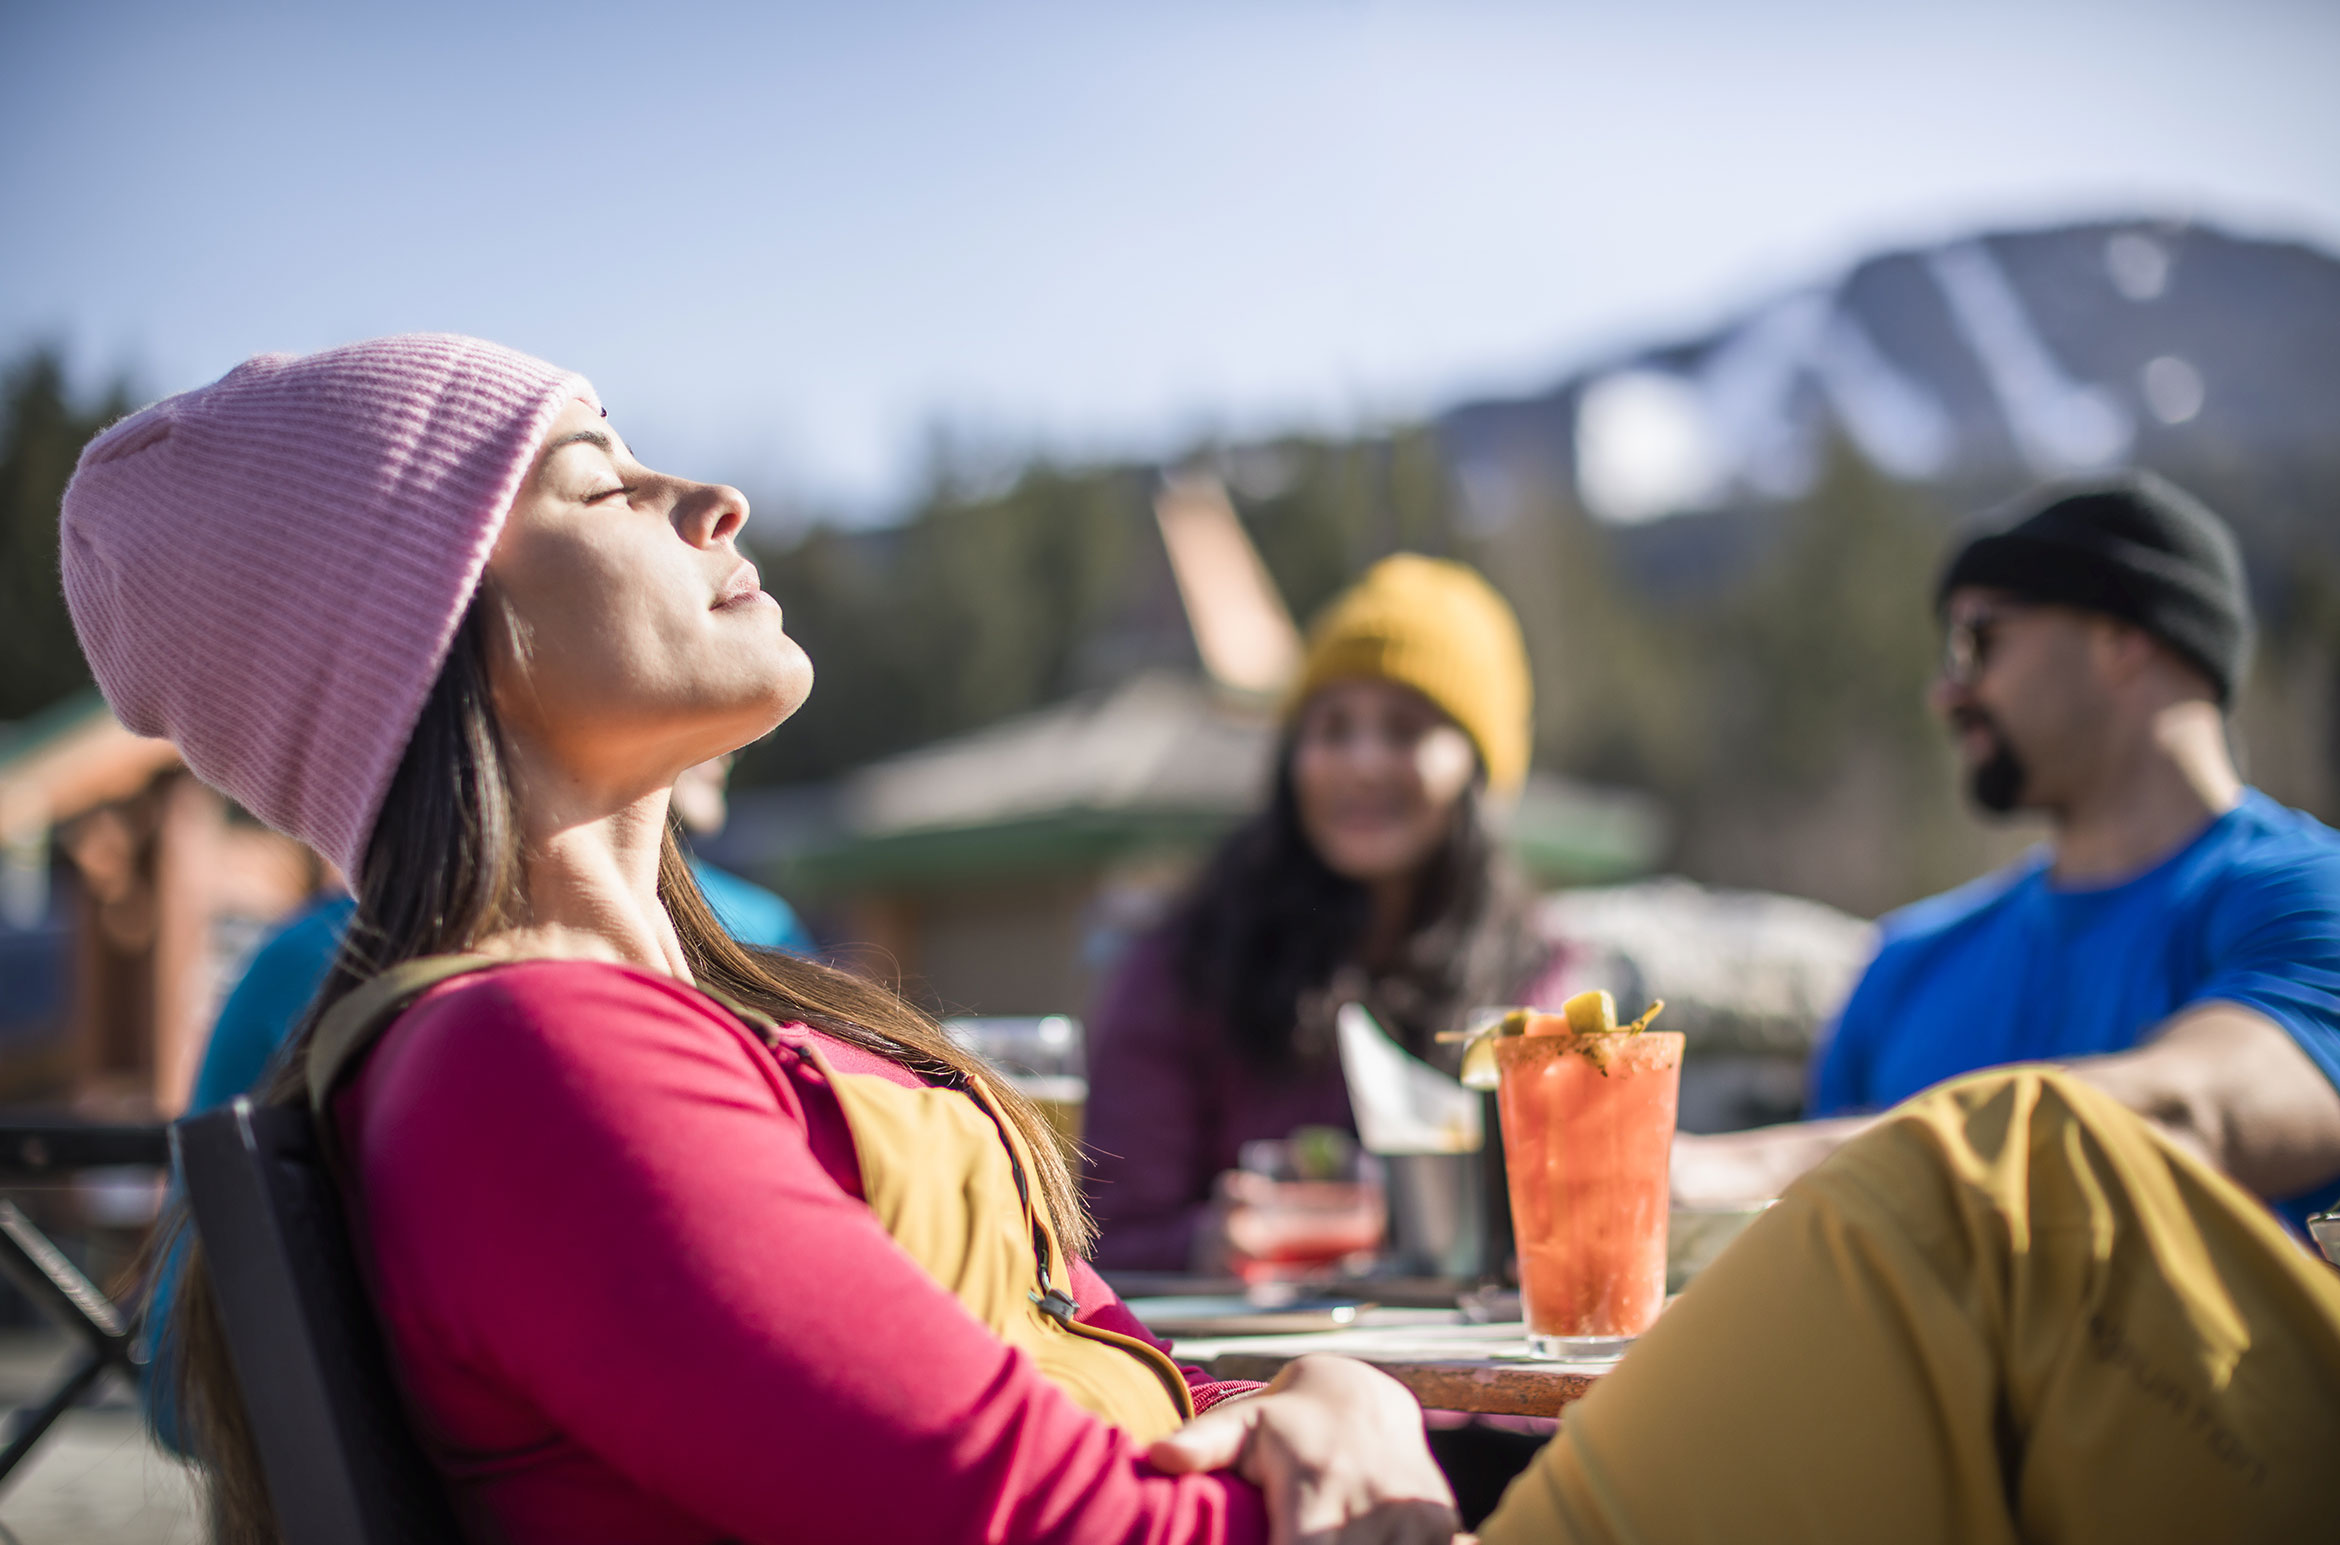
[1289,1229]
[1588,1129]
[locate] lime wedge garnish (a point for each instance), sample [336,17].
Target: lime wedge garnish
[1479,1070]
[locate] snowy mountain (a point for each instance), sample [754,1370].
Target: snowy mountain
[1982,364]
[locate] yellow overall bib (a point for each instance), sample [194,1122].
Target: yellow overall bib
[943,1172]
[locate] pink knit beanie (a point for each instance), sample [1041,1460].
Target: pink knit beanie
[270,569]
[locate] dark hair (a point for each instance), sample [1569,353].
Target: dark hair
[1267,941]
[443,870]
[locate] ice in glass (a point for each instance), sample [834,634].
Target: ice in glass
[1588,1127]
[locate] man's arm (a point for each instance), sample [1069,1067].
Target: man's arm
[2222,1081]
[2231,1085]
[1726,1169]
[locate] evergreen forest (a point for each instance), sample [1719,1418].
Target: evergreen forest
[1775,703]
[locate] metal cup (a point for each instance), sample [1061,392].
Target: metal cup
[1437,1214]
[2324,1228]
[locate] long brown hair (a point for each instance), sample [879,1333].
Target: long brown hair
[442,871]
[1267,940]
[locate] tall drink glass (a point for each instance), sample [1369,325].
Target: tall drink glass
[1588,1129]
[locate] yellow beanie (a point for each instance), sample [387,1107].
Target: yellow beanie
[1439,628]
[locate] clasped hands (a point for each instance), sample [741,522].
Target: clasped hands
[1336,1447]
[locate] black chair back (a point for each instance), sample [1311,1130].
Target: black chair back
[343,1467]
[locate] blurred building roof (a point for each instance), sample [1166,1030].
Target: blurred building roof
[68,758]
[1158,741]
[1163,761]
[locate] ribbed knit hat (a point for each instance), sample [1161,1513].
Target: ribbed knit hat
[270,569]
[2136,547]
[1437,627]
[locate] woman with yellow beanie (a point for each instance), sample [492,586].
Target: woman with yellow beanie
[1370,876]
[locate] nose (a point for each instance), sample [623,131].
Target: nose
[1946,695]
[710,514]
[1375,752]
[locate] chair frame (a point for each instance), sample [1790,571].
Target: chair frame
[44,1147]
[342,1463]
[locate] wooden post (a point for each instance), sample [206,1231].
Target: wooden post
[142,945]
[190,822]
[113,946]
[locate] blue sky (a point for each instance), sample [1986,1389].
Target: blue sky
[786,241]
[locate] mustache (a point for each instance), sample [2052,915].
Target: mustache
[1966,716]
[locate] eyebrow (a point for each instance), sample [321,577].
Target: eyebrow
[593,437]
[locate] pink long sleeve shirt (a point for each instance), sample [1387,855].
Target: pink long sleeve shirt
[633,1294]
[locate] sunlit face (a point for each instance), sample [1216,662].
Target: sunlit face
[1376,771]
[2023,690]
[644,644]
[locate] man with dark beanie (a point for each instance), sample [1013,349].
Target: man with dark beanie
[2177,939]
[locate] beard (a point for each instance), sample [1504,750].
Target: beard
[1996,782]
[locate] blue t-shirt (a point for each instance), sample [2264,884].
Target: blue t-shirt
[2014,968]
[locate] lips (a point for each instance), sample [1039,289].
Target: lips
[741,589]
[1975,727]
[1365,817]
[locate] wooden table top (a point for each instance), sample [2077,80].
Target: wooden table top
[1449,1364]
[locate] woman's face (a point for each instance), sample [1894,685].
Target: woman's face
[1376,771]
[643,643]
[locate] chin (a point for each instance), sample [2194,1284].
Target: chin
[1367,867]
[773,712]
[792,684]
[784,682]
[759,707]
[1999,784]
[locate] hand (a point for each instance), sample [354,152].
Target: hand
[1710,1172]
[1337,1448]
[1733,1169]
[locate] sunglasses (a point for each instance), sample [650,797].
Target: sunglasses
[1969,641]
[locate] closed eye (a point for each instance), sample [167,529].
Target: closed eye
[607,493]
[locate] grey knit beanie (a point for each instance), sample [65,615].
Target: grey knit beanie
[2136,547]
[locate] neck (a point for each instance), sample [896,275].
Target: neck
[2159,789]
[590,875]
[1385,931]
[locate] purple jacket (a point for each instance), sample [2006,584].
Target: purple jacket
[1170,1102]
